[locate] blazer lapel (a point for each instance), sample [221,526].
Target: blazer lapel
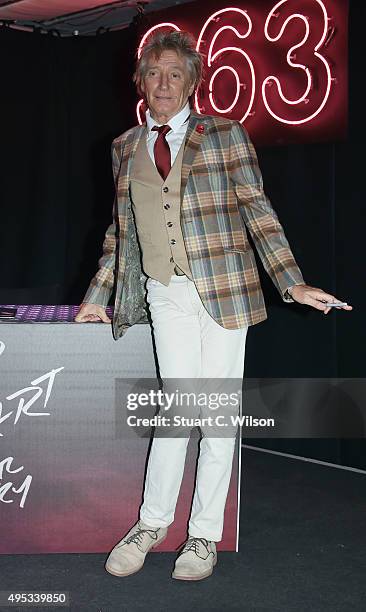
[123,181]
[193,142]
[128,155]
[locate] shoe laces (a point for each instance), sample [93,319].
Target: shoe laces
[138,537]
[193,544]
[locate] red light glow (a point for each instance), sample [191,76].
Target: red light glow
[270,64]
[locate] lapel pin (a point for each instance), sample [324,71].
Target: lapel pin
[200,128]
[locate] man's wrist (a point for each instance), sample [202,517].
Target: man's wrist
[290,291]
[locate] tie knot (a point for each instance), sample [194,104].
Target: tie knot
[162,129]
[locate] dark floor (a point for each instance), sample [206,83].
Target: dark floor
[302,549]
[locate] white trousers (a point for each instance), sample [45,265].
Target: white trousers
[190,344]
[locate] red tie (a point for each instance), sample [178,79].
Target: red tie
[162,151]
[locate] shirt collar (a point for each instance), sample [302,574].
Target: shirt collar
[175,122]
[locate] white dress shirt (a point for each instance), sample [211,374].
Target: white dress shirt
[174,138]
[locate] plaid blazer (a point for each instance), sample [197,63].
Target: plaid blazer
[222,198]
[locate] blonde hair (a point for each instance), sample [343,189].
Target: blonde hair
[183,43]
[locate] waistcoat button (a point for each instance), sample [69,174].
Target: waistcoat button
[169,224]
[166,206]
[165,189]
[173,241]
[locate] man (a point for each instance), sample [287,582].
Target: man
[188,186]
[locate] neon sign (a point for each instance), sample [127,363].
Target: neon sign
[290,54]
[214,56]
[277,68]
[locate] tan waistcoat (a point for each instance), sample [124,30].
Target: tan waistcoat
[156,207]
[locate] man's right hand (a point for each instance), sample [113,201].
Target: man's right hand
[91,312]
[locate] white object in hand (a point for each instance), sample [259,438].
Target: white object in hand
[329,304]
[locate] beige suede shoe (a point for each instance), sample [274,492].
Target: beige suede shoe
[196,561]
[128,556]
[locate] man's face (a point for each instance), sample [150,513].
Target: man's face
[166,85]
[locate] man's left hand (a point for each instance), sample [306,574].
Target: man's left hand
[317,298]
